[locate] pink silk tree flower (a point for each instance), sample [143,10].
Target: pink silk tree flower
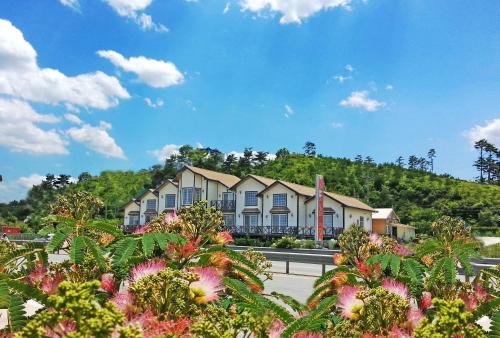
[395,287]
[223,237]
[426,301]
[206,289]
[401,250]
[376,240]
[350,305]
[146,269]
[108,283]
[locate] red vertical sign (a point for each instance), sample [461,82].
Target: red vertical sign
[320,189]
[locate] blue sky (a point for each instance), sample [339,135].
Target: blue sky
[91,85]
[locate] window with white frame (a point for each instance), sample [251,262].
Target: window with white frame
[328,220]
[279,220]
[187,196]
[361,221]
[229,220]
[279,200]
[151,204]
[251,220]
[250,198]
[170,201]
[197,194]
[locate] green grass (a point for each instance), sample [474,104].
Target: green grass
[491,251]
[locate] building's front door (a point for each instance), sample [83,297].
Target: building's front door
[394,231]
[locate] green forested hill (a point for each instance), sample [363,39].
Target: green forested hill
[418,196]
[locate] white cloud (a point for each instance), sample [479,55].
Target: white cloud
[166,152]
[133,9]
[361,100]
[349,68]
[11,190]
[73,4]
[292,11]
[490,131]
[156,73]
[97,139]
[342,79]
[72,118]
[154,104]
[226,8]
[19,130]
[288,111]
[337,125]
[389,87]
[21,76]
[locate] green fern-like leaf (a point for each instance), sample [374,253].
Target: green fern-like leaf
[58,240]
[429,247]
[256,300]
[14,257]
[318,292]
[327,276]
[96,252]
[148,243]
[106,227]
[413,269]
[25,290]
[395,265]
[76,250]
[495,326]
[233,255]
[436,270]
[250,275]
[4,295]
[384,261]
[449,269]
[163,239]
[290,301]
[487,309]
[125,248]
[313,320]
[16,313]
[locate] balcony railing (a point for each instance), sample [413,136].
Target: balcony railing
[269,230]
[224,206]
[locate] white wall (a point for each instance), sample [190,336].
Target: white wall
[130,207]
[167,189]
[148,196]
[267,200]
[249,184]
[352,216]
[338,217]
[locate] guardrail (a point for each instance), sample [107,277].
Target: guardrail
[324,258]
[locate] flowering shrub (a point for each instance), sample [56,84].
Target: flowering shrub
[176,277]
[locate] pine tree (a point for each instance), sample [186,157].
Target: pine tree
[400,161]
[310,149]
[282,153]
[431,154]
[480,163]
[412,162]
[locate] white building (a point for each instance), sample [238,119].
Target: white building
[252,205]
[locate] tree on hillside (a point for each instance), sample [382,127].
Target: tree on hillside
[422,163]
[309,149]
[245,162]
[261,158]
[400,161]
[431,154]
[229,164]
[491,162]
[281,153]
[85,176]
[480,163]
[369,160]
[412,162]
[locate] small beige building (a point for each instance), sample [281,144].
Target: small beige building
[385,221]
